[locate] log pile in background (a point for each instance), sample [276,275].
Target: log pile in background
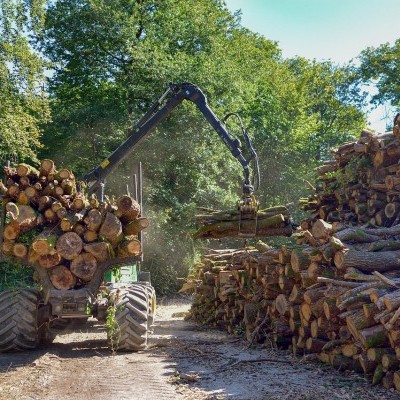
[361,184]
[274,221]
[50,225]
[333,293]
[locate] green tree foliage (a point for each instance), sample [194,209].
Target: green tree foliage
[113,58]
[23,105]
[381,67]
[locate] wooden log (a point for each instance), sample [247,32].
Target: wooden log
[390,362]
[273,226]
[26,170]
[7,247]
[69,245]
[396,380]
[62,278]
[93,220]
[321,229]
[47,167]
[84,266]
[373,336]
[135,226]
[102,251]
[314,345]
[330,308]
[313,295]
[90,236]
[356,235]
[376,354]
[296,295]
[111,229]
[282,304]
[79,228]
[64,174]
[378,375]
[44,243]
[128,209]
[48,260]
[11,231]
[391,300]
[383,261]
[356,322]
[367,366]
[129,248]
[20,250]
[300,259]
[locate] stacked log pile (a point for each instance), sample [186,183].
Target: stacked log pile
[336,294]
[273,221]
[49,224]
[361,184]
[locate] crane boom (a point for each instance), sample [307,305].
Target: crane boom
[161,109]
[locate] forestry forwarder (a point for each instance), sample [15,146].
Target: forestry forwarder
[28,317]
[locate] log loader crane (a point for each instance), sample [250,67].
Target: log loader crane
[30,316]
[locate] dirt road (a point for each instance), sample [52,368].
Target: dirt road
[184,361]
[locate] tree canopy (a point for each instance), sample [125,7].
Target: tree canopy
[23,102]
[381,67]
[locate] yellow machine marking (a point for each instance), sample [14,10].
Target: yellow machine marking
[104,164]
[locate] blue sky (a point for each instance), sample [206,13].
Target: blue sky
[324,29]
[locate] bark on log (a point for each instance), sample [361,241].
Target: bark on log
[273,226]
[384,261]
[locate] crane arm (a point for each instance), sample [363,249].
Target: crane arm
[161,109]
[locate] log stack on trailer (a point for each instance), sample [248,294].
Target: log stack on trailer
[335,290]
[49,224]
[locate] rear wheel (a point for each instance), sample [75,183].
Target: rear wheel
[18,320]
[127,319]
[152,305]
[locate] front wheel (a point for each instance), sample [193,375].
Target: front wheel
[18,320]
[127,318]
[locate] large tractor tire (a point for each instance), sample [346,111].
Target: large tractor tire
[18,320]
[152,305]
[128,327]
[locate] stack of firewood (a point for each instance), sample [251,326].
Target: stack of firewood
[51,225]
[361,184]
[273,221]
[332,293]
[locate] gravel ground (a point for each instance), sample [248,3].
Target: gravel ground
[183,361]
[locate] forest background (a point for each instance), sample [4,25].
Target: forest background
[75,76]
